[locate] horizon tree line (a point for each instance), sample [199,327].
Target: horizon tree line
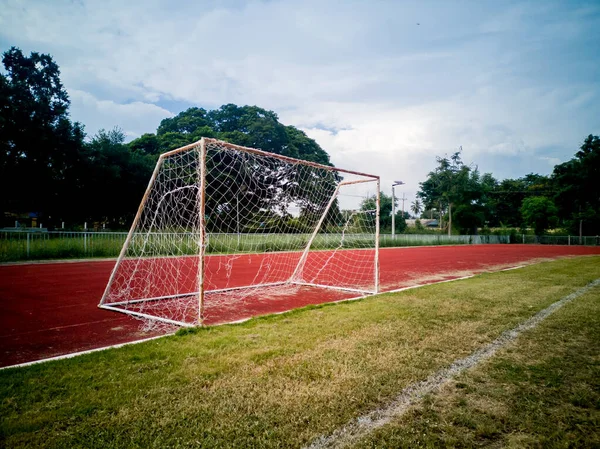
[53,170]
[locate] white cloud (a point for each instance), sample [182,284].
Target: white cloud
[551,161]
[511,82]
[134,118]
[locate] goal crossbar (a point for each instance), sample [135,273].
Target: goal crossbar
[292,160]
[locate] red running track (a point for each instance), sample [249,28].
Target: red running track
[50,309]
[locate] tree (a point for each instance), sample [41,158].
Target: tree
[115,179]
[429,213]
[540,213]
[258,128]
[304,147]
[577,185]
[39,145]
[251,126]
[504,199]
[487,199]
[508,199]
[454,185]
[416,207]
[400,222]
[385,210]
[147,144]
[187,122]
[243,125]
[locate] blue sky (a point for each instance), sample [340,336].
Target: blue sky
[383,86]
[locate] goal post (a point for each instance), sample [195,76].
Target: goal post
[220,225]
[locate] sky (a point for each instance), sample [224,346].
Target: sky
[383,86]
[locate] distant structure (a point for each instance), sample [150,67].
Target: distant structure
[426,222]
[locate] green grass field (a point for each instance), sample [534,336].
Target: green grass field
[543,391]
[284,380]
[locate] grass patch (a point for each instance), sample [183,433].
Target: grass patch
[278,381]
[39,246]
[543,390]
[18,246]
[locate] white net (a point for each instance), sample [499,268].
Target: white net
[274,230]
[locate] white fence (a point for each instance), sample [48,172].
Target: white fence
[440,239]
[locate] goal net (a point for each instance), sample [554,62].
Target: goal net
[222,226]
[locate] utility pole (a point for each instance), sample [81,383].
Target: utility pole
[403,199]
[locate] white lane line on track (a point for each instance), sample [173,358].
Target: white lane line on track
[89,351]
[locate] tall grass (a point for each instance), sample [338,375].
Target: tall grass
[16,246]
[35,246]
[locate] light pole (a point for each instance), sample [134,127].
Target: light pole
[396,183]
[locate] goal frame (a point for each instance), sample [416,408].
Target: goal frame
[201,145]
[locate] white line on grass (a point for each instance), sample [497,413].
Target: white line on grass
[363,425]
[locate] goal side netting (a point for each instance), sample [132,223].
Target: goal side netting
[220,225]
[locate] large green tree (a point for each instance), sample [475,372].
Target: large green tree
[540,213]
[115,179]
[506,198]
[39,145]
[455,188]
[254,127]
[249,126]
[578,188]
[187,122]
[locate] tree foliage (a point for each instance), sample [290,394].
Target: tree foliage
[457,189]
[51,171]
[385,212]
[507,197]
[578,188]
[416,207]
[249,126]
[540,213]
[472,201]
[254,127]
[39,145]
[115,179]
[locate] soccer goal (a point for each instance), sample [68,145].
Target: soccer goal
[221,225]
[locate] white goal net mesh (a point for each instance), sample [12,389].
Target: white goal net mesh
[273,227]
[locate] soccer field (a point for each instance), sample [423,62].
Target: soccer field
[296,379]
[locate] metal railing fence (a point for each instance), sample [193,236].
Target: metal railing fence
[589,240]
[32,245]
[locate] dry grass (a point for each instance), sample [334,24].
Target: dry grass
[278,381]
[418,279]
[541,391]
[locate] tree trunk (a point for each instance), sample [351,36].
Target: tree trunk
[449,218]
[580,227]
